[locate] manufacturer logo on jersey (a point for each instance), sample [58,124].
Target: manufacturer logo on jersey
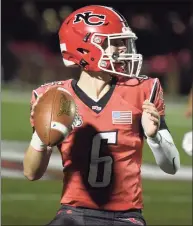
[97,108]
[122,117]
[90,18]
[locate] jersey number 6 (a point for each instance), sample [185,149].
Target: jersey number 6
[111,138]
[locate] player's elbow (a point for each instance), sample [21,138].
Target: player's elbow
[170,171]
[31,176]
[176,164]
[171,168]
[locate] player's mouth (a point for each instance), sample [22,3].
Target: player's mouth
[121,66]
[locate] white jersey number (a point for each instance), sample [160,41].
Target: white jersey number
[111,138]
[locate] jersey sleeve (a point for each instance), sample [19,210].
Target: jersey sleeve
[159,100]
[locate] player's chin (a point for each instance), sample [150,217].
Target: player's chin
[121,67]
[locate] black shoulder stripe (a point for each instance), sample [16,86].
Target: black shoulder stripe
[154,91]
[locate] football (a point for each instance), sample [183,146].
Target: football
[54,115]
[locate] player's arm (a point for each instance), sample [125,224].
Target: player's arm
[36,159]
[164,150]
[158,136]
[37,155]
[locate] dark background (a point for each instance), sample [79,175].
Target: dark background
[30,40]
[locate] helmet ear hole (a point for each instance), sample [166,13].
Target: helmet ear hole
[83,51]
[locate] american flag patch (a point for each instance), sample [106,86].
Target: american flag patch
[122,117]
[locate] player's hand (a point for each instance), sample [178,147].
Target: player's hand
[36,102]
[34,105]
[150,119]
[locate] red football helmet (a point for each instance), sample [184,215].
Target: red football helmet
[87,36]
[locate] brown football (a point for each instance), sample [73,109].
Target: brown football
[54,115]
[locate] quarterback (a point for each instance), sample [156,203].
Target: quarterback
[117,108]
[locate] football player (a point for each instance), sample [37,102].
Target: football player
[118,107]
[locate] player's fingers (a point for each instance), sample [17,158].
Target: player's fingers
[155,120]
[35,104]
[37,100]
[33,107]
[32,114]
[47,89]
[144,106]
[32,111]
[39,97]
[153,113]
[149,108]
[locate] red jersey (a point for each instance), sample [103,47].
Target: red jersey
[105,147]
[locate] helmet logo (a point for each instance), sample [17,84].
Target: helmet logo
[87,17]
